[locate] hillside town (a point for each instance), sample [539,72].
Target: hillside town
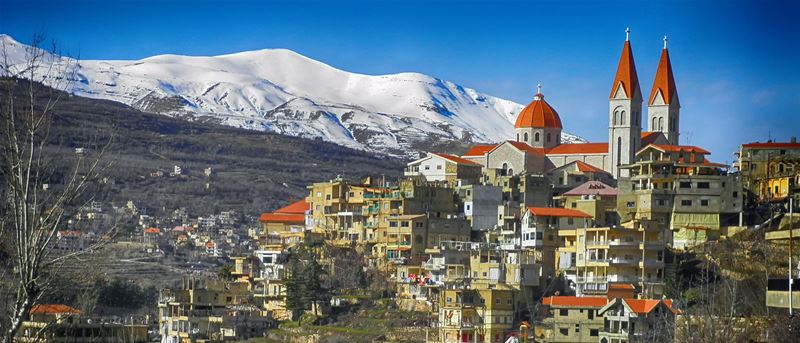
[530,239]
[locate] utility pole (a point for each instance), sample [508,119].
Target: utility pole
[791,243]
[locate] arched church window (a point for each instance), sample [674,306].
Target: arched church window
[619,150]
[549,138]
[503,170]
[536,137]
[661,124]
[526,137]
[654,127]
[616,114]
[622,118]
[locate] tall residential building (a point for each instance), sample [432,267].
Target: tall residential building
[770,171]
[593,259]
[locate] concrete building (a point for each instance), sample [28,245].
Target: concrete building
[573,319]
[437,167]
[676,186]
[594,258]
[61,323]
[479,205]
[637,320]
[594,198]
[769,171]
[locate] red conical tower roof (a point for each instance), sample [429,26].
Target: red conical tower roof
[538,114]
[664,81]
[626,73]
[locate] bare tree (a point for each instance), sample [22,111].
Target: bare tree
[38,196]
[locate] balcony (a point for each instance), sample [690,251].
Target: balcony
[622,243]
[651,263]
[651,246]
[623,261]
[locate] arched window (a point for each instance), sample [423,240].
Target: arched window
[654,127]
[661,124]
[619,150]
[526,137]
[517,137]
[549,138]
[616,114]
[503,171]
[536,137]
[511,171]
[622,118]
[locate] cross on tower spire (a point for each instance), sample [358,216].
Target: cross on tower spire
[539,88]
[665,42]
[627,34]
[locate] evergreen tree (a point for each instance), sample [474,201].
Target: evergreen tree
[313,292]
[293,286]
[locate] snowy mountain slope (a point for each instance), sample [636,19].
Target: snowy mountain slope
[279,90]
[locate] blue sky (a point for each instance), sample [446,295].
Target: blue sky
[736,63]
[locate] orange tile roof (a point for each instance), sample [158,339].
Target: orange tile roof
[557,212]
[538,114]
[526,147]
[282,218]
[664,80]
[648,137]
[579,148]
[679,148]
[572,301]
[626,73]
[152,230]
[456,159]
[299,207]
[621,286]
[644,306]
[479,150]
[771,145]
[53,309]
[588,168]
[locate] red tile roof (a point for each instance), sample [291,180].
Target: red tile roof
[679,148]
[152,230]
[579,148]
[479,150]
[282,218]
[456,159]
[572,301]
[771,145]
[588,168]
[53,309]
[593,187]
[648,137]
[557,212]
[626,73]
[299,207]
[525,147]
[664,80]
[538,114]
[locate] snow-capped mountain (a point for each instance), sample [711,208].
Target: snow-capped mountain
[281,91]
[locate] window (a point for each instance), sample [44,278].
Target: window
[686,203]
[622,118]
[703,185]
[564,331]
[574,204]
[570,221]
[661,202]
[536,137]
[594,332]
[735,195]
[526,137]
[631,204]
[616,114]
[548,137]
[703,202]
[577,328]
[591,314]
[563,312]
[438,167]
[427,167]
[654,127]
[661,124]
[685,184]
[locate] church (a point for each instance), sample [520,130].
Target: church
[537,147]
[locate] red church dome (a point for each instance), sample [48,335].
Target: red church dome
[538,114]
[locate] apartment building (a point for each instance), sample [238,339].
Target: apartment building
[475,315]
[438,167]
[769,171]
[479,203]
[210,311]
[594,198]
[594,258]
[677,187]
[573,319]
[61,323]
